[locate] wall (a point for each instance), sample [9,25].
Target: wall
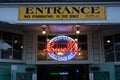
[29,55]
[96,47]
[103,68]
[5,71]
[20,72]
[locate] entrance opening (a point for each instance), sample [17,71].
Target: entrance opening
[63,72]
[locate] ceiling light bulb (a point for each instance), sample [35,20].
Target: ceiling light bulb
[108,41]
[77,32]
[76,39]
[48,40]
[43,32]
[79,54]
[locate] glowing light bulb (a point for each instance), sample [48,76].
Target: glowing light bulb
[15,41]
[60,53]
[76,39]
[43,32]
[108,41]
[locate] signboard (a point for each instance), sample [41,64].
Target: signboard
[62,48]
[62,12]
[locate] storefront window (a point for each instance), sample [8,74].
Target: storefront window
[59,45]
[112,48]
[11,46]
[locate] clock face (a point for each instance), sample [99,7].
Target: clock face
[62,48]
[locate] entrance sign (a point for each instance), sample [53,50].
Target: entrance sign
[62,12]
[62,48]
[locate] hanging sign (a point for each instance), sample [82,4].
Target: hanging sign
[62,12]
[62,48]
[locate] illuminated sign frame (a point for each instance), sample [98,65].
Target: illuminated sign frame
[62,54]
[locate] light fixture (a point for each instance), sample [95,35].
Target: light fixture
[15,41]
[43,30]
[76,39]
[21,46]
[79,53]
[48,40]
[108,41]
[77,30]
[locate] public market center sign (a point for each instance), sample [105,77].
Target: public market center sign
[62,12]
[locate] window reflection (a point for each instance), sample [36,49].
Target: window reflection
[112,48]
[11,45]
[6,49]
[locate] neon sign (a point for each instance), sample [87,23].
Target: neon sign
[59,73]
[62,48]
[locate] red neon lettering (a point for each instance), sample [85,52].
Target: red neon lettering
[71,46]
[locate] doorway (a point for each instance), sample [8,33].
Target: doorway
[63,72]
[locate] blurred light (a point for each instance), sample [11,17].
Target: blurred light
[44,29]
[48,40]
[77,32]
[10,57]
[78,29]
[43,32]
[79,54]
[108,41]
[76,39]
[21,47]
[60,53]
[77,71]
[15,41]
